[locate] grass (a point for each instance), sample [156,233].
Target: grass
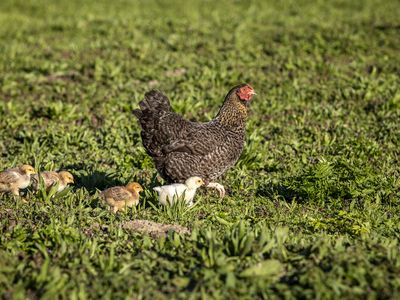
[313,204]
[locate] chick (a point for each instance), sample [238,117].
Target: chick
[15,179]
[51,178]
[176,190]
[119,197]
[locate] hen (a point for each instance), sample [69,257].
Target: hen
[182,149]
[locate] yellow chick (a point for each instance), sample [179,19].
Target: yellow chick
[51,178]
[15,179]
[119,197]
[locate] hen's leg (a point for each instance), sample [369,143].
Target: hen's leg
[219,187]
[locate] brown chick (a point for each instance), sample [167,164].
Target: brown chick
[15,179]
[119,197]
[51,178]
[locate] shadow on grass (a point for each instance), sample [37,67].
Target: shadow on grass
[92,180]
[287,193]
[97,180]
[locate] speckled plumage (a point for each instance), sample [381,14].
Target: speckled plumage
[183,149]
[120,197]
[14,179]
[51,178]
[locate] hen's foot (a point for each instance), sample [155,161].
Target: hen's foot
[219,187]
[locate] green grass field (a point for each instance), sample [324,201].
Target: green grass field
[313,204]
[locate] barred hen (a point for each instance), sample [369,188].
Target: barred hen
[182,149]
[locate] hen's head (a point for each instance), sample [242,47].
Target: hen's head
[244,92]
[234,110]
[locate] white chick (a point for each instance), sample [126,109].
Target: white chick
[169,193]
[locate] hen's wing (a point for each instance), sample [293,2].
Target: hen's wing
[8,177]
[207,153]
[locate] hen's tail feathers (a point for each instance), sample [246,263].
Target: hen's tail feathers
[152,107]
[153,101]
[157,189]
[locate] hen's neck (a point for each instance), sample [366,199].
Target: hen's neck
[233,114]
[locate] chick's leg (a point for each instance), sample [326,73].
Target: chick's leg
[163,199]
[15,191]
[219,187]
